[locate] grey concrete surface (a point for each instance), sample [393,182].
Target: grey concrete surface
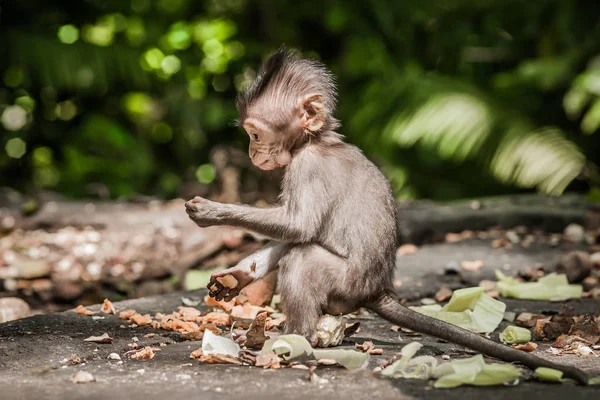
[33,350]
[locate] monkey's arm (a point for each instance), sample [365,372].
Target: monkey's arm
[263,261]
[251,268]
[281,223]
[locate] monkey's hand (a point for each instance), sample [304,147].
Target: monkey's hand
[220,292]
[202,211]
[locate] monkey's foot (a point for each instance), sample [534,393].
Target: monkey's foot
[219,291]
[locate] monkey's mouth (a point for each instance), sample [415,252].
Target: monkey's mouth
[268,165]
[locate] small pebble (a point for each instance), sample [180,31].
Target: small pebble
[513,237]
[595,259]
[574,233]
[452,268]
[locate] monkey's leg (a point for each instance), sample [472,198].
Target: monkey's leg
[309,277]
[253,267]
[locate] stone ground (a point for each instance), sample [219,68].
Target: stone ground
[33,350]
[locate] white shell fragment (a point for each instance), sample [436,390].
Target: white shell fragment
[213,344]
[330,330]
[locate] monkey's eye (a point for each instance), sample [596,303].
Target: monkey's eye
[255,136]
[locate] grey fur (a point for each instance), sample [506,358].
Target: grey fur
[280,81]
[335,225]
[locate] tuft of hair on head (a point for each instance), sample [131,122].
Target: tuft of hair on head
[284,78]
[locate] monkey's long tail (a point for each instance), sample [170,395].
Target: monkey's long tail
[390,309]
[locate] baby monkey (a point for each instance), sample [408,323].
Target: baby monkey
[334,233]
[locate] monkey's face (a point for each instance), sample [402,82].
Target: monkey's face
[274,133]
[269,147]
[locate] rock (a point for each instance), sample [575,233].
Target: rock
[43,288]
[595,259]
[12,308]
[66,290]
[513,237]
[30,269]
[82,377]
[576,265]
[574,233]
[153,288]
[590,282]
[452,268]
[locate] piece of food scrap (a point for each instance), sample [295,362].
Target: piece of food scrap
[143,354]
[107,307]
[82,310]
[228,281]
[140,320]
[368,347]
[82,377]
[127,314]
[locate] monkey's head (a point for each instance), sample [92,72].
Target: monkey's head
[291,101]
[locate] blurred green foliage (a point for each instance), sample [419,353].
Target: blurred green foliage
[452,98]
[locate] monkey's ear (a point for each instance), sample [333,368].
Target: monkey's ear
[313,115]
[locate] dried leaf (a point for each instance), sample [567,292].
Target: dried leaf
[528,320]
[368,347]
[214,358]
[365,346]
[351,329]
[100,339]
[255,336]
